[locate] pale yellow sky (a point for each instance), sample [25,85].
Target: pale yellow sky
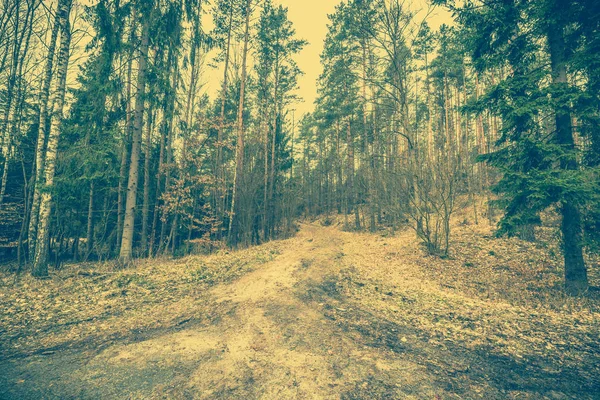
[309,18]
[310,21]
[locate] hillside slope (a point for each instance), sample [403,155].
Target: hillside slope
[326,314]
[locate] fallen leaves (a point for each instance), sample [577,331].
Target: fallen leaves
[496,303]
[86,299]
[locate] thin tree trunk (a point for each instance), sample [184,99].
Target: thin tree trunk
[576,280]
[350,192]
[121,187]
[173,235]
[16,73]
[191,227]
[40,264]
[430,142]
[127,137]
[40,150]
[168,118]
[5,173]
[266,185]
[90,223]
[156,208]
[25,220]
[146,203]
[11,81]
[219,170]
[368,157]
[239,151]
[132,186]
[271,203]
[339,170]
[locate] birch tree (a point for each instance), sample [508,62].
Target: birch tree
[40,263]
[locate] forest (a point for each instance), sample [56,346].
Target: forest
[159,173]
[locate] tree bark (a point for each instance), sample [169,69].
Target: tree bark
[159,175]
[350,193]
[121,187]
[25,220]
[146,203]
[576,281]
[270,204]
[239,150]
[430,143]
[168,126]
[219,194]
[90,223]
[40,264]
[132,186]
[125,144]
[266,183]
[40,150]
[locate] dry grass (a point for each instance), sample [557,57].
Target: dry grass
[326,314]
[95,301]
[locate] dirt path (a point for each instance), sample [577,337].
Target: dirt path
[334,315]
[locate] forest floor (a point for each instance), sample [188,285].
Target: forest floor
[326,314]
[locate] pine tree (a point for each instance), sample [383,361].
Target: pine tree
[541,168]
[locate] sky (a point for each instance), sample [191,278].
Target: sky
[310,19]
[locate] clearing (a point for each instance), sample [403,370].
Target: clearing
[326,314]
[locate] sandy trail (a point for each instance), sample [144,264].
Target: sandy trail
[334,315]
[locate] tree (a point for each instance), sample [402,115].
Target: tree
[42,130]
[277,77]
[125,254]
[40,266]
[540,164]
[239,151]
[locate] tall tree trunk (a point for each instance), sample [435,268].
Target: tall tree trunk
[576,280]
[121,188]
[146,201]
[159,178]
[21,52]
[25,220]
[191,95]
[219,195]
[339,170]
[40,150]
[40,264]
[368,157]
[168,126]
[6,166]
[266,184]
[276,120]
[239,150]
[160,186]
[173,235]
[430,143]
[132,186]
[270,201]
[449,144]
[125,144]
[10,85]
[90,223]
[350,190]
